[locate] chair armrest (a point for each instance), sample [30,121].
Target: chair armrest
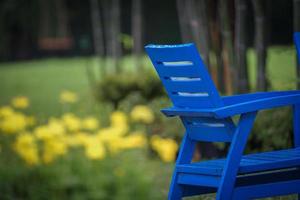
[256,102]
[191,112]
[238,104]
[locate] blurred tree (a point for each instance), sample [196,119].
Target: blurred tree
[137,30]
[230,72]
[183,21]
[98,42]
[194,26]
[112,26]
[261,32]
[297,29]
[198,13]
[240,45]
[216,44]
[137,27]
[97,28]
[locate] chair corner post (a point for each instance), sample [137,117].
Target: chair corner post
[230,171]
[185,156]
[296,124]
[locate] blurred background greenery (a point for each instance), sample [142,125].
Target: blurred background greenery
[80,101]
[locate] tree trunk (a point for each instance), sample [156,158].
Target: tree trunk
[97,28]
[183,21]
[137,29]
[200,27]
[260,43]
[216,45]
[240,45]
[112,33]
[45,21]
[62,19]
[297,29]
[98,42]
[230,72]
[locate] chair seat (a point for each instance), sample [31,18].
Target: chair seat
[251,163]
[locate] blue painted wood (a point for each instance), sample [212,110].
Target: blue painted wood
[231,166]
[207,117]
[249,163]
[209,129]
[185,156]
[198,180]
[182,54]
[296,111]
[261,103]
[297,44]
[267,190]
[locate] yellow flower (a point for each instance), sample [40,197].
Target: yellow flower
[26,147]
[67,96]
[71,121]
[13,123]
[20,102]
[119,123]
[142,114]
[94,149]
[118,118]
[166,148]
[90,123]
[6,111]
[54,147]
[135,140]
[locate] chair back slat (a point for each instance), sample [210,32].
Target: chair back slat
[184,76]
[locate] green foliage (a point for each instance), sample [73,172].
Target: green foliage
[78,178]
[115,88]
[272,130]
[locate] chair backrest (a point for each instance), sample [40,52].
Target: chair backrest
[184,76]
[189,85]
[297,43]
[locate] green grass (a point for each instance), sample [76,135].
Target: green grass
[43,80]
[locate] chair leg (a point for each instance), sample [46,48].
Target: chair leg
[296,119]
[176,191]
[237,146]
[185,156]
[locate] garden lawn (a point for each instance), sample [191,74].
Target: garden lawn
[43,80]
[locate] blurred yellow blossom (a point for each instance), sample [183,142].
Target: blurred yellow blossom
[118,118]
[71,121]
[94,149]
[90,123]
[6,111]
[67,96]
[141,113]
[166,148]
[56,126]
[13,123]
[53,148]
[20,102]
[26,147]
[135,140]
[30,120]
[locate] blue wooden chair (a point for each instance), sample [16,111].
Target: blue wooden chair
[208,117]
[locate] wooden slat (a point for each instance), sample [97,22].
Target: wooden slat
[209,129]
[185,86]
[185,71]
[199,180]
[249,164]
[191,102]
